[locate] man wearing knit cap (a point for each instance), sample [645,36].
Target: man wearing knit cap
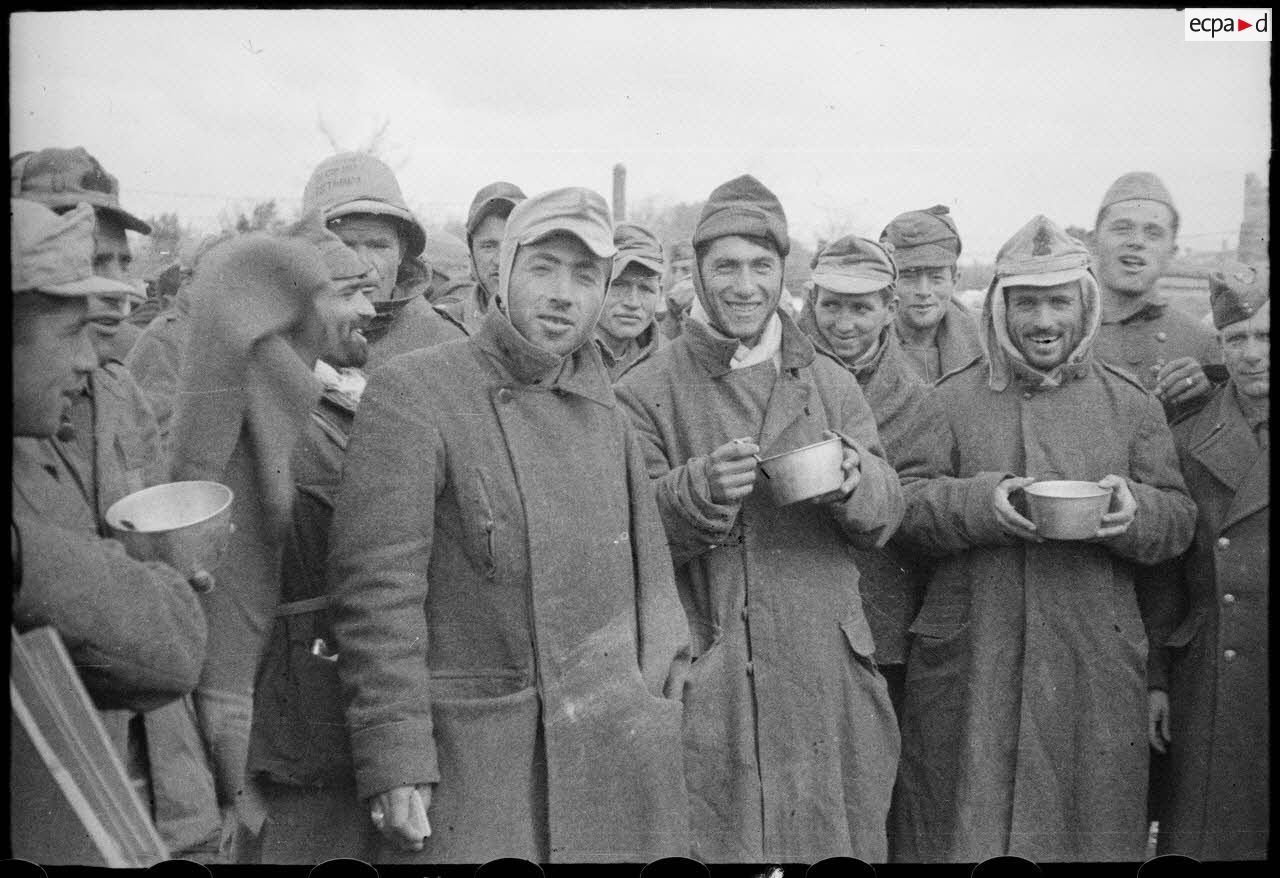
[512,647]
[1023,727]
[134,628]
[361,202]
[937,335]
[626,333]
[849,315]
[790,741]
[486,219]
[1135,236]
[1210,707]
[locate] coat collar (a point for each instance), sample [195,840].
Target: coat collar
[581,373]
[1223,443]
[714,351]
[863,372]
[640,347]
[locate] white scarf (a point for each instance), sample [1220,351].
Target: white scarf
[349,381]
[769,347]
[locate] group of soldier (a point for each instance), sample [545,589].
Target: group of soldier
[505,578]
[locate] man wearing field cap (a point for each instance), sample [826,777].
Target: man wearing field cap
[937,334]
[626,333]
[849,315]
[510,640]
[677,292]
[1210,704]
[361,202]
[486,219]
[790,742]
[1135,237]
[1023,727]
[135,629]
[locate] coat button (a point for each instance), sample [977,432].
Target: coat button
[1027,395]
[751,669]
[1228,599]
[1162,336]
[1223,542]
[1229,655]
[505,394]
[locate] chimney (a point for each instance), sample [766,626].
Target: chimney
[619,192]
[1255,228]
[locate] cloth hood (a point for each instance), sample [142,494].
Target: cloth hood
[1040,254]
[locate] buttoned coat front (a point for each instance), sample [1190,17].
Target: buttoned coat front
[790,742]
[1024,723]
[506,621]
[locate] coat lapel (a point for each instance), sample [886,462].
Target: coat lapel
[1225,446]
[789,400]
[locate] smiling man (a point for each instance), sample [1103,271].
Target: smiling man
[936,333]
[627,332]
[1024,720]
[790,742]
[510,641]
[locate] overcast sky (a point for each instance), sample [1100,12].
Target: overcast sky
[850,115]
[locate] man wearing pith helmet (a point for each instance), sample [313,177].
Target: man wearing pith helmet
[936,333]
[1135,237]
[1024,720]
[790,743]
[627,333]
[511,643]
[849,315]
[361,202]
[1211,632]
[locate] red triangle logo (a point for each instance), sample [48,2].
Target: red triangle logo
[1241,24]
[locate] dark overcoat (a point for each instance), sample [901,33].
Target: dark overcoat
[507,625]
[790,742]
[1024,723]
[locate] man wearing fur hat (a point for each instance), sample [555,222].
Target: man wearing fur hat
[1135,236]
[936,334]
[1025,712]
[627,333]
[1210,706]
[849,315]
[790,742]
[511,643]
[486,218]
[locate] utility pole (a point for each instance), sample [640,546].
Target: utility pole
[619,192]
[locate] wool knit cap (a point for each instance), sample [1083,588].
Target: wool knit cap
[923,238]
[1137,185]
[355,182]
[62,178]
[495,196]
[854,265]
[1237,291]
[54,254]
[636,244]
[743,206]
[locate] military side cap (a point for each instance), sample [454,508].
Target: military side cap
[743,206]
[53,253]
[636,244]
[577,211]
[1041,255]
[62,178]
[854,265]
[493,197]
[356,182]
[923,238]
[1137,185]
[1237,291]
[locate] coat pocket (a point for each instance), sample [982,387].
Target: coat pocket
[858,635]
[1190,627]
[935,643]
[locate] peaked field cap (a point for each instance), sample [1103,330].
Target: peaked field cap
[53,254]
[62,178]
[1041,255]
[499,194]
[743,206]
[1137,185]
[356,182]
[577,211]
[854,266]
[636,244]
[923,238]
[1237,292]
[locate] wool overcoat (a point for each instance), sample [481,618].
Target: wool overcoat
[1024,723]
[506,621]
[790,742]
[956,341]
[1219,802]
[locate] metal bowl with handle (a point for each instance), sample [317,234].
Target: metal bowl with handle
[180,523]
[804,473]
[1067,510]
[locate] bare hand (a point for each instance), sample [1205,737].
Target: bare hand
[731,471]
[1180,380]
[1158,733]
[1007,517]
[852,467]
[400,815]
[1123,507]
